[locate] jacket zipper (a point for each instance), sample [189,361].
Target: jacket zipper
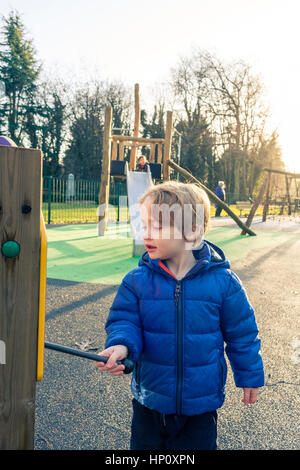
[178,303]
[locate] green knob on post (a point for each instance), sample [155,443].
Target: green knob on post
[10,249]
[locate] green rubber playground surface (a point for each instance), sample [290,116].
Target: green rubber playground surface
[76,253]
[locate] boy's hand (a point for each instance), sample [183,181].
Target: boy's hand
[250,395]
[115,353]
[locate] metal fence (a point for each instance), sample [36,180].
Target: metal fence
[66,200]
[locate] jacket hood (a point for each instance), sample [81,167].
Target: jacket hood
[208,256]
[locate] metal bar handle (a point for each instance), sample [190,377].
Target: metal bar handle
[129,365]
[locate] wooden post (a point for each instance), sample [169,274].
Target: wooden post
[297,186]
[168,144]
[266,205]
[152,153]
[20,201]
[105,173]
[137,119]
[114,150]
[256,204]
[121,151]
[159,153]
[288,195]
[282,205]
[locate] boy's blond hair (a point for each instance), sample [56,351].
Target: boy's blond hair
[174,192]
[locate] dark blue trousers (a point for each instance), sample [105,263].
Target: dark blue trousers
[157,431]
[218,211]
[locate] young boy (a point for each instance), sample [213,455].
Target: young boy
[172,315]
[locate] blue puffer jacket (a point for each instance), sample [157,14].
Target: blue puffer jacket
[175,331]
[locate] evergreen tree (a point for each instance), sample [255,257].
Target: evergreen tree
[45,124]
[83,156]
[19,71]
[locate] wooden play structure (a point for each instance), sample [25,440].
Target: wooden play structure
[114,164]
[286,200]
[23,274]
[22,292]
[265,190]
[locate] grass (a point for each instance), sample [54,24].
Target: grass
[85,212]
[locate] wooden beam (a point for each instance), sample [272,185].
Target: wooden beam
[255,205]
[212,196]
[168,144]
[288,195]
[159,152]
[266,205]
[20,186]
[105,173]
[114,150]
[137,118]
[121,151]
[142,140]
[281,172]
[152,153]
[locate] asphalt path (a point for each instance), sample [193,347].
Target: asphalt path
[78,407]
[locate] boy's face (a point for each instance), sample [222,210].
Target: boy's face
[142,161]
[161,239]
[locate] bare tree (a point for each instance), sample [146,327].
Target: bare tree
[230,98]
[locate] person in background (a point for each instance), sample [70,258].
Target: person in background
[220,192]
[142,164]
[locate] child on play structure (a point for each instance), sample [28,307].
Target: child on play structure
[172,315]
[142,164]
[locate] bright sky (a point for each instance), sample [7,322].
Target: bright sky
[138,41]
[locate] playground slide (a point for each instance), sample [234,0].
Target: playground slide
[137,184]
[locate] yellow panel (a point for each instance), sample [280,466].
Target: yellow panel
[42,300]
